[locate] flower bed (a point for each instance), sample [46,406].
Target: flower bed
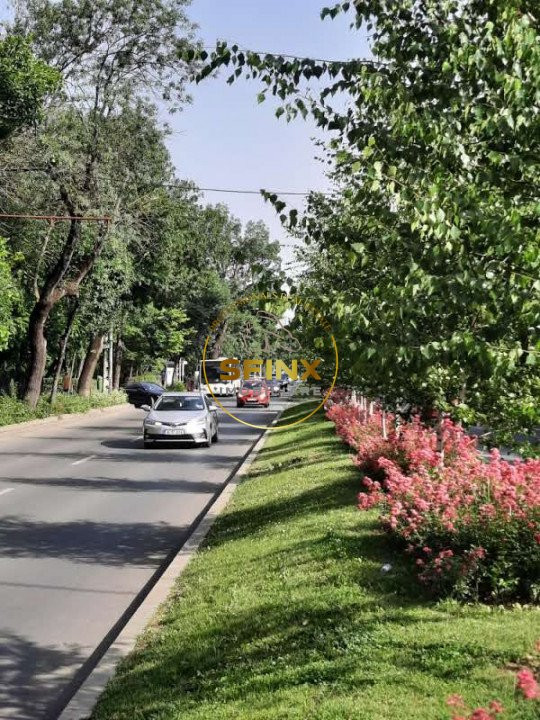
[472,527]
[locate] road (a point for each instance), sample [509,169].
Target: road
[88,519]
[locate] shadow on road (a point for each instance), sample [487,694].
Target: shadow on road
[30,676]
[122,484]
[116,544]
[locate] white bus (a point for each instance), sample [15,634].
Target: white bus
[218,386]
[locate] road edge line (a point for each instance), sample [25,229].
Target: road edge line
[81,704]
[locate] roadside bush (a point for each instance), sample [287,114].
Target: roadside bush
[473,527]
[147,377]
[338,396]
[14,411]
[67,404]
[347,419]
[177,387]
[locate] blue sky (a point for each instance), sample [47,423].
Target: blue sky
[225,139]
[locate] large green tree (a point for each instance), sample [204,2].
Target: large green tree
[112,56]
[427,252]
[25,82]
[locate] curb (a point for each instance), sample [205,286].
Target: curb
[81,704]
[51,419]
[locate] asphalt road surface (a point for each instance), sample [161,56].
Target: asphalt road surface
[88,520]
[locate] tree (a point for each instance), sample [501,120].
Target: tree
[25,82]
[8,295]
[101,309]
[427,256]
[110,54]
[153,336]
[248,260]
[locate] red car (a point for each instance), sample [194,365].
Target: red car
[253,392]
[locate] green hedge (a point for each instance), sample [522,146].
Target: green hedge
[15,411]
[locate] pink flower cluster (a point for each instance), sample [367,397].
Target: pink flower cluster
[527,684]
[472,525]
[527,688]
[456,701]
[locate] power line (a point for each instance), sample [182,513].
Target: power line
[290,56]
[253,192]
[56,218]
[194,188]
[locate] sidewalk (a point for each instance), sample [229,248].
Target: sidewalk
[53,419]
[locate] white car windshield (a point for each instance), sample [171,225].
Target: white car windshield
[170,404]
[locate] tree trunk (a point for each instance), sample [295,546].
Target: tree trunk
[63,346]
[118,357]
[72,370]
[55,287]
[440,437]
[38,351]
[220,339]
[79,369]
[90,363]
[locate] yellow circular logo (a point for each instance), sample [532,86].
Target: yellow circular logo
[249,364]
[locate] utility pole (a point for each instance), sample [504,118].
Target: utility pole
[105,369]
[183,364]
[110,385]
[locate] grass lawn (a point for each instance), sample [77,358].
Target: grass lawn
[287,614]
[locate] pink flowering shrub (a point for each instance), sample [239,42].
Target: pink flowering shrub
[364,434]
[472,527]
[527,684]
[494,709]
[346,417]
[527,689]
[338,395]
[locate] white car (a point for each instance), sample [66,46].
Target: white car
[181,417]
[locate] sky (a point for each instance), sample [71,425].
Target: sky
[225,139]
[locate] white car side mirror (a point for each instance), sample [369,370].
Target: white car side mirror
[214,408]
[146,408]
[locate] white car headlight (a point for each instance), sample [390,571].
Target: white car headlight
[152,422]
[199,423]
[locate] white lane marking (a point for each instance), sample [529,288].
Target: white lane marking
[6,491]
[80,462]
[139,437]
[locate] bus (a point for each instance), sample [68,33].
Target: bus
[218,386]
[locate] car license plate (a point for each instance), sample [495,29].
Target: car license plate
[174,431]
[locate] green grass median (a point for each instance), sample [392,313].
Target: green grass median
[288,613]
